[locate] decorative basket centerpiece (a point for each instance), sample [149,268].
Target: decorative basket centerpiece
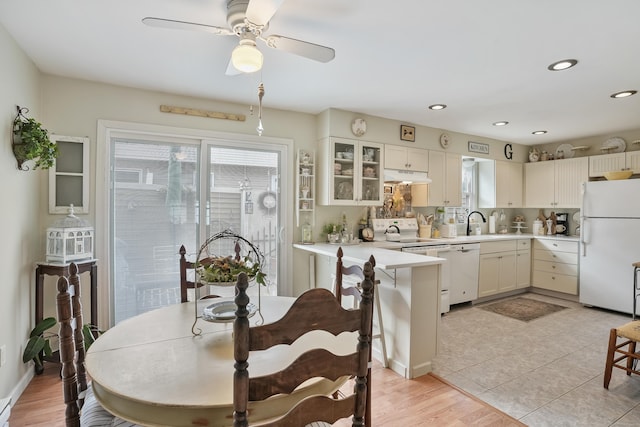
[225,270]
[617,175]
[218,270]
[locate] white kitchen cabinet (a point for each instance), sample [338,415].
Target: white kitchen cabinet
[498,271]
[499,184]
[598,165]
[523,263]
[406,158]
[632,161]
[555,265]
[555,183]
[445,171]
[350,172]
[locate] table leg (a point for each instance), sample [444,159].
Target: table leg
[39,295]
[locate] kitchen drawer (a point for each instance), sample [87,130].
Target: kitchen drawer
[499,246]
[555,282]
[556,267]
[547,255]
[556,245]
[523,244]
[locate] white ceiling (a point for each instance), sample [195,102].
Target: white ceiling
[486,59]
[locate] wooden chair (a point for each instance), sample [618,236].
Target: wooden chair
[630,335]
[351,287]
[185,265]
[82,408]
[315,309]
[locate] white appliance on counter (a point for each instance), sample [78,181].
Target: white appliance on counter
[609,243]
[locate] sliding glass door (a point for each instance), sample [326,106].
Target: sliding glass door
[173,192]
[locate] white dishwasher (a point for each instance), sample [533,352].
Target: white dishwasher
[465,264]
[440,251]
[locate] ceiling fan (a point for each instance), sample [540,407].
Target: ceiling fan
[248,19]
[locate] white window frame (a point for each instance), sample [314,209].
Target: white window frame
[83,208]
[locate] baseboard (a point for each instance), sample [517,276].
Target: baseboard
[19,388]
[555,294]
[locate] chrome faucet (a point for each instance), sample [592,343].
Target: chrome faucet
[469,216]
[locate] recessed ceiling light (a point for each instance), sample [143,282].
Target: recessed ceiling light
[437,106]
[539,132]
[624,94]
[562,65]
[501,123]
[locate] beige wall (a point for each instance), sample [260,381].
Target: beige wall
[20,193]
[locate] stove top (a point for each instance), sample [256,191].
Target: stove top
[401,230]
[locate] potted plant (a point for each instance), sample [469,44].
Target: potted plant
[39,343]
[31,142]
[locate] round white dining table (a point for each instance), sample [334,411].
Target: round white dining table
[151,370]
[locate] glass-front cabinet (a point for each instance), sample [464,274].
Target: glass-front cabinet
[350,172]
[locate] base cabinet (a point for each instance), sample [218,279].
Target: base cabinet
[498,271]
[523,263]
[555,265]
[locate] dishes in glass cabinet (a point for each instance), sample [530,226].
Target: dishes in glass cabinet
[224,311]
[345,191]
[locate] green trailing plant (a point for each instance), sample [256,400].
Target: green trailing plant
[31,142]
[90,333]
[38,344]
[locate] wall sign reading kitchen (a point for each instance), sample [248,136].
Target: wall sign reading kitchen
[478,147]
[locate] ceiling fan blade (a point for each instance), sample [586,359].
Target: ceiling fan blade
[260,12]
[182,25]
[298,47]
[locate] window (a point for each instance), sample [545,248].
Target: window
[69,176]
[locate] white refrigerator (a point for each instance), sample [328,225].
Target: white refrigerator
[609,243]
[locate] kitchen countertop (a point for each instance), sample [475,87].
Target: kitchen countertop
[386,258]
[331,249]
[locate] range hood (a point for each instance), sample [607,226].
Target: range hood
[406,176]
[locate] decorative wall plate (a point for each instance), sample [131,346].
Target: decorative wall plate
[359,126]
[614,145]
[564,151]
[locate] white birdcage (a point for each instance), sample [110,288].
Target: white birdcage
[69,239]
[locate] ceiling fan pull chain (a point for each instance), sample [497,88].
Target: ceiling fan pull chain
[260,128]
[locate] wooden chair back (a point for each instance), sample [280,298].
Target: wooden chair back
[315,309]
[185,266]
[355,271]
[72,352]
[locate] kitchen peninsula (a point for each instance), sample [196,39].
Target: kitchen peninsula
[409,292]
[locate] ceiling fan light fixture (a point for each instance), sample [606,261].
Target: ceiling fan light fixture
[246,57]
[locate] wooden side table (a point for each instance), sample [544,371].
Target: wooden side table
[62,269]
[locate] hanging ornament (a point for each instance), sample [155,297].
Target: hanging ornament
[260,128]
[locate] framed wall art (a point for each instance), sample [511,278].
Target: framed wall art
[407,133]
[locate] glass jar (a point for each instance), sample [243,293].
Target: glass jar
[307,235]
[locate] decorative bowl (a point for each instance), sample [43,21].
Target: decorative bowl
[615,175]
[348,155]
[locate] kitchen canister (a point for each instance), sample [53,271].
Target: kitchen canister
[537,227]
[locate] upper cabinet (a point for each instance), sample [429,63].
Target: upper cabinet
[555,183]
[598,165]
[406,158]
[445,171]
[350,172]
[305,188]
[499,184]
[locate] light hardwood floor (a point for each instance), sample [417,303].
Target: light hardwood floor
[397,402]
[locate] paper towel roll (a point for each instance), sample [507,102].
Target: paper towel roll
[492,224]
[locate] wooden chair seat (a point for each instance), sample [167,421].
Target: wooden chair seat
[622,355]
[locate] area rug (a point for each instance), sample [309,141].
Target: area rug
[524,309]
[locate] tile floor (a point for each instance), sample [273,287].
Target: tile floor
[546,372]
